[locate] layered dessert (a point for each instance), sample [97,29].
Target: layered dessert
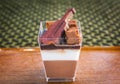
[60,43]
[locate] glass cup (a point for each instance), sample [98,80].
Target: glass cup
[60,60]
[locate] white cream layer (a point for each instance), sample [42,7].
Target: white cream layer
[60,54]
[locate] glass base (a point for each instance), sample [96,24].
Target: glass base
[60,79]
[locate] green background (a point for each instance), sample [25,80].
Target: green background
[19,20]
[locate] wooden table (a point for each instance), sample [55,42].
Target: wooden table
[97,65]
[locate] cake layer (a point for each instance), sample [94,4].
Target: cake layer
[60,69]
[49,47]
[60,54]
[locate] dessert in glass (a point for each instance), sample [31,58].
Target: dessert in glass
[60,44]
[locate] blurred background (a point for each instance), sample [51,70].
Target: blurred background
[19,20]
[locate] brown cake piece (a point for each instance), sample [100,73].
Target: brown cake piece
[72,23]
[49,23]
[72,34]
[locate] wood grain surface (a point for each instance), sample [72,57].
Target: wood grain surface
[97,65]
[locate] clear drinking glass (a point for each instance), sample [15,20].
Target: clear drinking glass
[59,61]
